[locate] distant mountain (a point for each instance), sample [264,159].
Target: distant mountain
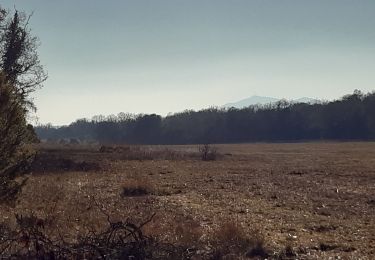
[305,100]
[259,100]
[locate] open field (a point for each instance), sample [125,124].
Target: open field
[315,199]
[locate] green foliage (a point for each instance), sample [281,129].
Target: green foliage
[20,74]
[15,155]
[18,55]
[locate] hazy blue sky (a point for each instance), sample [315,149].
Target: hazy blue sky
[161,56]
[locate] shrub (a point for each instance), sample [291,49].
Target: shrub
[120,240]
[39,237]
[137,187]
[230,238]
[208,152]
[15,156]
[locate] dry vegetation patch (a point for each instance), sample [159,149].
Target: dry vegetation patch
[142,153]
[231,238]
[307,200]
[137,187]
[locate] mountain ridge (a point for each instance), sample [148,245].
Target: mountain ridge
[262,100]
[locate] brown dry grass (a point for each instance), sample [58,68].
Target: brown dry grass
[231,237]
[137,187]
[318,198]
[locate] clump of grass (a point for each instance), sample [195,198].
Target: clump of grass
[231,235]
[231,238]
[137,187]
[208,152]
[188,233]
[287,253]
[326,247]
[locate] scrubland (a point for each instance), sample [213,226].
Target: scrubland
[276,201]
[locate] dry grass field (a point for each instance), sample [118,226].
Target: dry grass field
[303,200]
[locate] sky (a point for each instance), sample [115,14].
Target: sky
[165,56]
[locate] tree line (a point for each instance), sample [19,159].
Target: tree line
[350,118]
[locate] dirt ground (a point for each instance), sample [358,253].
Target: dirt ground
[316,198]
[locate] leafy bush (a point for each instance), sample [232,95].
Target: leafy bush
[15,155]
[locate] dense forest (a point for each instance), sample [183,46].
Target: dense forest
[350,118]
